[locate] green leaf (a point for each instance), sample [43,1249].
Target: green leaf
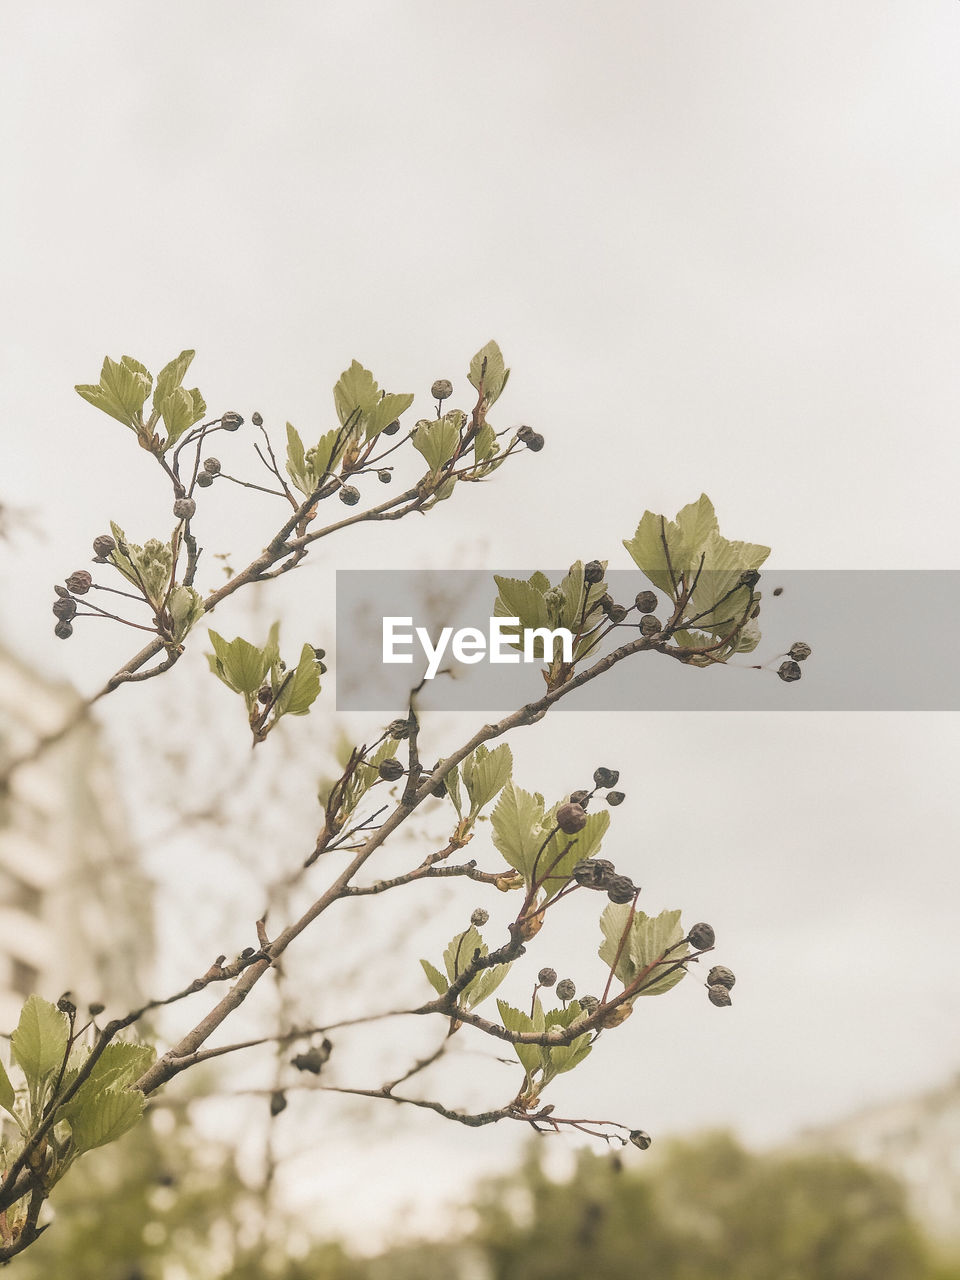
[484,985]
[106,1117]
[303,687]
[180,410]
[585,844]
[296,462]
[386,410]
[648,939]
[647,549]
[487,372]
[435,978]
[7,1091]
[437,440]
[40,1040]
[460,952]
[515,1020]
[245,666]
[186,608]
[517,831]
[122,390]
[521,599]
[355,395]
[564,1057]
[172,375]
[485,774]
[120,1064]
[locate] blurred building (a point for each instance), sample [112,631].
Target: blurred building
[917,1139]
[75,909]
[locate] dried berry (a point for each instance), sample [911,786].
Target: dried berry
[646,601]
[442,389]
[605,602]
[204,480]
[588,1004]
[63,630]
[571,818]
[67,1003]
[212,465]
[65,608]
[649,625]
[606,777]
[719,976]
[80,582]
[547,977]
[103,545]
[390,770]
[593,873]
[534,442]
[524,433]
[62,592]
[749,578]
[799,652]
[479,917]
[580,797]
[566,989]
[778,591]
[314,1059]
[620,889]
[256,419]
[231,421]
[701,937]
[278,1099]
[392,428]
[264,694]
[593,572]
[640,1139]
[399,729]
[350,495]
[184,508]
[616,797]
[384,476]
[789,671]
[616,613]
[719,995]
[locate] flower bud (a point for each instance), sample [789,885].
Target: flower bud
[616,797]
[103,545]
[231,421]
[184,508]
[646,601]
[588,1004]
[547,977]
[63,630]
[67,1003]
[593,873]
[479,917]
[350,495]
[392,428]
[620,889]
[566,989]
[701,937]
[604,778]
[789,671]
[649,625]
[264,694]
[442,389]
[212,465]
[62,592]
[256,419]
[65,608]
[719,976]
[719,995]
[593,572]
[314,1059]
[571,818]
[390,770]
[799,652]
[640,1139]
[399,729]
[80,582]
[580,797]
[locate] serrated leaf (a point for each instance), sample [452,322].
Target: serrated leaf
[437,441]
[172,375]
[355,394]
[484,985]
[296,461]
[485,443]
[303,687]
[460,952]
[245,666]
[106,1117]
[386,411]
[572,611]
[180,409]
[487,372]
[485,775]
[585,844]
[40,1040]
[516,823]
[564,1057]
[516,1020]
[186,608]
[521,599]
[648,939]
[120,1064]
[435,978]
[695,523]
[7,1092]
[648,552]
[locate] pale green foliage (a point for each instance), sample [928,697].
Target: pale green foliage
[437,439]
[123,390]
[487,372]
[246,669]
[522,833]
[647,940]
[543,1062]
[461,951]
[571,604]
[148,567]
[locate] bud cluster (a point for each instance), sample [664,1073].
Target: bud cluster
[601,874]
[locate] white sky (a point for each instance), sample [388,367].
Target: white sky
[718,246]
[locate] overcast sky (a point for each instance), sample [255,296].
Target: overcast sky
[718,246]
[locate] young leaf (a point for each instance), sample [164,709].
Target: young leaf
[516,826]
[40,1040]
[106,1117]
[172,375]
[435,978]
[484,985]
[437,440]
[461,950]
[7,1092]
[303,687]
[355,395]
[515,1020]
[487,372]
[180,410]
[120,1064]
[649,938]
[485,774]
